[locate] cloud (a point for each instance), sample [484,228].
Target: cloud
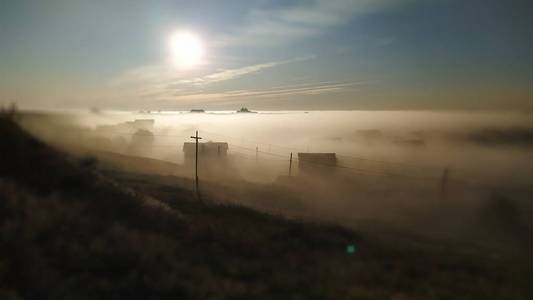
[239,72]
[156,80]
[272,26]
[251,94]
[148,74]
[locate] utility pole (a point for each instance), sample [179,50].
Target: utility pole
[290,166]
[197,190]
[256,153]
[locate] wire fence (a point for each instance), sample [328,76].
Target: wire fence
[270,152]
[350,163]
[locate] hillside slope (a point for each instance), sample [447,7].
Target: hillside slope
[69,232]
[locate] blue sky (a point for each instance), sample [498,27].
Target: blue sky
[322,54]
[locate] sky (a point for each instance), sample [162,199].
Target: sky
[269,55]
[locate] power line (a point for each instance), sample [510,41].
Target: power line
[253,157]
[253,141]
[340,155]
[286,147]
[336,165]
[286,157]
[359,170]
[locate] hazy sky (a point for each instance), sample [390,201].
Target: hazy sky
[284,54]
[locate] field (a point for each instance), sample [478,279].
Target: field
[89,225]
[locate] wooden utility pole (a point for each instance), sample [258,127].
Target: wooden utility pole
[196,188]
[290,166]
[256,153]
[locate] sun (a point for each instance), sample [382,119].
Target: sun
[186,49]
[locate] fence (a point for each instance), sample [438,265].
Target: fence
[265,152]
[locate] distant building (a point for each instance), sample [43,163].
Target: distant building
[146,124]
[317,163]
[141,142]
[197,110]
[137,132]
[210,151]
[142,138]
[246,110]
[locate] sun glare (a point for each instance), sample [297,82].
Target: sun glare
[187,49]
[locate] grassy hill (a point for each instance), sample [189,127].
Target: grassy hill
[69,231]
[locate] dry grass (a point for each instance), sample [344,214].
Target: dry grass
[69,232]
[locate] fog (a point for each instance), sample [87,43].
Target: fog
[467,143]
[436,173]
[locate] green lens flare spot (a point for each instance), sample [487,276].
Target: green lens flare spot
[351,249]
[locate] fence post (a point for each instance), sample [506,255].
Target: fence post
[290,166]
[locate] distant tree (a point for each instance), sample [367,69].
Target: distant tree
[10,111]
[142,140]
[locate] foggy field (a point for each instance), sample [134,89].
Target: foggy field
[390,165]
[76,227]
[493,148]
[486,148]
